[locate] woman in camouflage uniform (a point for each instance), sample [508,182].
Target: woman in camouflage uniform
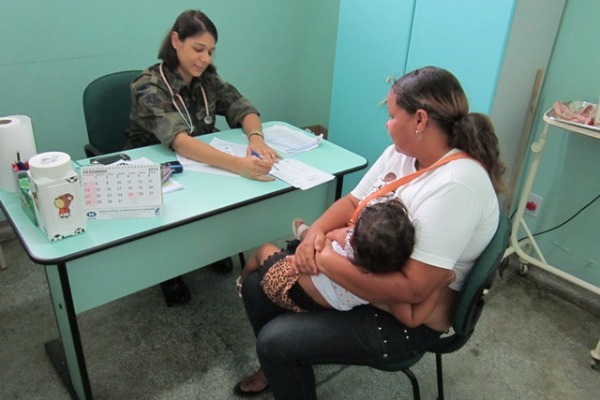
[180,98]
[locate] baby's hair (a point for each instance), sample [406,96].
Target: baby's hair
[383,238]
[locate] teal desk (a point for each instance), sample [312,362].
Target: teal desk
[212,218]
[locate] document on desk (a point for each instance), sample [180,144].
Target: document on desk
[294,172]
[299,174]
[290,141]
[235,149]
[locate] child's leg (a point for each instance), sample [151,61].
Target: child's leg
[257,258]
[254,262]
[299,228]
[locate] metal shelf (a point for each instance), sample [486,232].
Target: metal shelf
[517,246]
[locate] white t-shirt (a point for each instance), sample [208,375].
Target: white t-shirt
[454,208]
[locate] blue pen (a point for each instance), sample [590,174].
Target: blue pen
[255,154]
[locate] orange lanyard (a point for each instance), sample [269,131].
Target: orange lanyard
[390,187]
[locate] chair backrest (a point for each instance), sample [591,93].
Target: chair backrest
[470,302]
[480,278]
[106,107]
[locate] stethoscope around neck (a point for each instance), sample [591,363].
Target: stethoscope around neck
[186,118]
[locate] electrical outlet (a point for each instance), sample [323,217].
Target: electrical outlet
[533,205]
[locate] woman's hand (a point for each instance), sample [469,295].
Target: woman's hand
[258,146]
[248,167]
[255,168]
[335,217]
[256,142]
[304,259]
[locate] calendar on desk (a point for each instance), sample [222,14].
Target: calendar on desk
[122,191]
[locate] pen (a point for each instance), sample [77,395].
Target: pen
[255,154]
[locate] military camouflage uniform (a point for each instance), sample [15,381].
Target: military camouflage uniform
[154,119]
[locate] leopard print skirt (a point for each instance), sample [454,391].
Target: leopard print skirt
[276,283]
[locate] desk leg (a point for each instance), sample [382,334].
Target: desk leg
[67,354]
[2,259]
[596,357]
[339,183]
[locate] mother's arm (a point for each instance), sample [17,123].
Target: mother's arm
[334,217]
[414,284]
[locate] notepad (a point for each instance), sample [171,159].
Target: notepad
[122,191]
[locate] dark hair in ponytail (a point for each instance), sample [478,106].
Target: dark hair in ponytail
[474,133]
[439,93]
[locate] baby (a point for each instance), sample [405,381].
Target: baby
[381,242]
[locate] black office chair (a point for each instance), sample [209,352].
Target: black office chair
[106,107]
[467,309]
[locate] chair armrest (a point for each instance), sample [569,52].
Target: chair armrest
[91,151]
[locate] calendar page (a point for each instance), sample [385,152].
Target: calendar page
[122,191]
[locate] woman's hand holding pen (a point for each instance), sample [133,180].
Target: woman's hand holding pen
[258,147]
[256,168]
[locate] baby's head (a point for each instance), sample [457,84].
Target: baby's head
[383,237]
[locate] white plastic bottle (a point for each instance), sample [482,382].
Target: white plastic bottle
[57,194]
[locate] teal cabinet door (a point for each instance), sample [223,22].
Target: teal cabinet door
[372,43]
[466,37]
[384,39]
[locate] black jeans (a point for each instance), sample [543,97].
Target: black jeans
[289,344]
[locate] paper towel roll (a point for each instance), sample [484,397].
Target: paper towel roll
[16,136]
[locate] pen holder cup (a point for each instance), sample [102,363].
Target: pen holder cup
[24,191]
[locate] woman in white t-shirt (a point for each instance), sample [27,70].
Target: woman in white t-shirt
[456,207]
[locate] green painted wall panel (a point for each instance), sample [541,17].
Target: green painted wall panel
[52,50]
[568,175]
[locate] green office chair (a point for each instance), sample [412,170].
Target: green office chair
[106,107]
[467,310]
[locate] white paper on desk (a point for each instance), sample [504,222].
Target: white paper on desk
[235,149]
[290,141]
[171,185]
[299,174]
[226,147]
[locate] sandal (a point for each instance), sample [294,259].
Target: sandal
[238,391]
[238,286]
[299,227]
